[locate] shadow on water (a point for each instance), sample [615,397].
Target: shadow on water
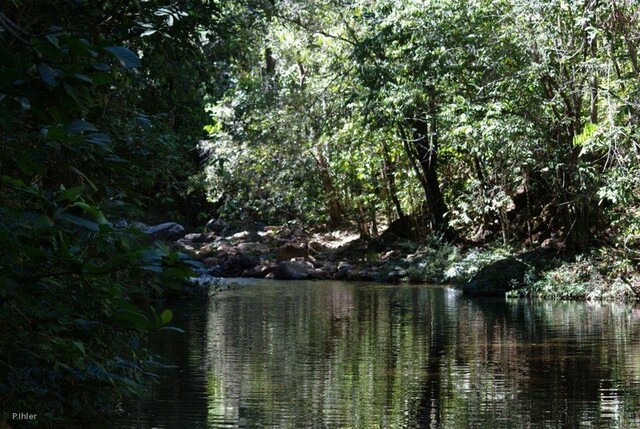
[337,355]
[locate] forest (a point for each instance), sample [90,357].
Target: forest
[469,127]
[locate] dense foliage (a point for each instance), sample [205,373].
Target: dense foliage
[514,120]
[99,120]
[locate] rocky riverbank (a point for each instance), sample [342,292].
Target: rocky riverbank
[286,253]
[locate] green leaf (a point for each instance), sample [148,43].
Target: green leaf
[127,58]
[80,347]
[101,67]
[83,78]
[53,40]
[79,126]
[81,174]
[80,221]
[101,140]
[166,316]
[70,194]
[48,75]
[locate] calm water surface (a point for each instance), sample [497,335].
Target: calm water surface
[337,355]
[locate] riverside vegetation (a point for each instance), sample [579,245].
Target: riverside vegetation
[469,137]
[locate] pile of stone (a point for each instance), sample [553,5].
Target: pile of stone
[274,252]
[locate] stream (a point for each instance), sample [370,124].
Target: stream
[270,354]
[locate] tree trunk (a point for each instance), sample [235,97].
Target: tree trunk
[333,202]
[425,143]
[389,169]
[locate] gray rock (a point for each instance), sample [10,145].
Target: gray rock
[165,231]
[319,274]
[199,238]
[368,275]
[394,277]
[344,266]
[217,226]
[292,250]
[257,272]
[243,262]
[292,270]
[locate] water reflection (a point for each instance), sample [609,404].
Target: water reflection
[334,355]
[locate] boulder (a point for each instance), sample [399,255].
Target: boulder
[257,272]
[165,231]
[252,247]
[319,274]
[292,270]
[508,274]
[344,266]
[216,226]
[497,278]
[393,277]
[199,237]
[204,252]
[292,250]
[368,275]
[284,233]
[210,262]
[243,262]
[242,235]
[316,246]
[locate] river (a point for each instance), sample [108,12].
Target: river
[302,355]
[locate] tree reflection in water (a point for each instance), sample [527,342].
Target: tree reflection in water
[335,355]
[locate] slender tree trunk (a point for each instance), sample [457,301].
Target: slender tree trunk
[389,170]
[333,202]
[425,143]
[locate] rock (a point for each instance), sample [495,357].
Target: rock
[251,247]
[199,238]
[341,275]
[292,250]
[216,226]
[204,252]
[344,266]
[224,247]
[215,271]
[243,261]
[507,274]
[497,278]
[284,233]
[210,262]
[243,235]
[165,231]
[394,277]
[330,268]
[292,270]
[257,272]
[391,254]
[319,274]
[316,246]
[353,275]
[368,275]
